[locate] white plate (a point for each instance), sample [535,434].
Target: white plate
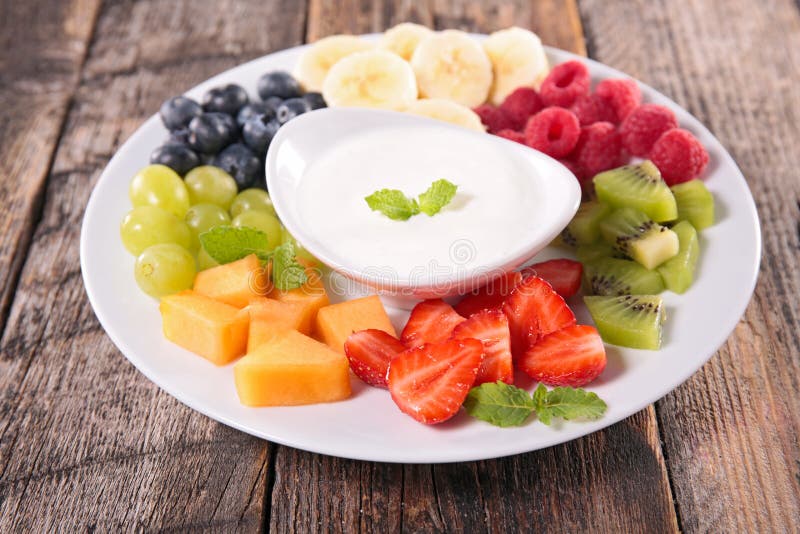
[369,426]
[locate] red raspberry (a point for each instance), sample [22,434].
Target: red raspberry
[493,118]
[642,128]
[591,109]
[599,148]
[574,168]
[679,156]
[622,94]
[554,131]
[565,84]
[521,105]
[512,135]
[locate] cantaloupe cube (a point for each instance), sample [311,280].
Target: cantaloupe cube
[336,322]
[214,330]
[291,369]
[235,283]
[312,295]
[269,317]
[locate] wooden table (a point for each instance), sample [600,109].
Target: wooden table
[87,442]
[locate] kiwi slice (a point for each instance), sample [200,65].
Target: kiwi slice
[695,203]
[609,276]
[583,229]
[637,236]
[637,186]
[678,272]
[595,251]
[630,320]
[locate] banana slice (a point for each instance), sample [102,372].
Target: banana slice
[445,110]
[453,66]
[404,38]
[372,79]
[316,61]
[518,60]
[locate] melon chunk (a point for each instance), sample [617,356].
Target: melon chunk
[269,317]
[336,322]
[235,283]
[291,369]
[214,330]
[312,295]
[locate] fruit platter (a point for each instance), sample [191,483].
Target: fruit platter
[617,242]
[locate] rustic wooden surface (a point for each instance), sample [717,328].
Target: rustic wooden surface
[86,442]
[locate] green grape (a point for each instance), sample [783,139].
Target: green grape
[263,221]
[204,260]
[210,185]
[164,269]
[158,185]
[202,218]
[150,225]
[300,250]
[252,199]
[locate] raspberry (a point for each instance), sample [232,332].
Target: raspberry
[679,156]
[565,84]
[493,118]
[512,135]
[642,128]
[574,168]
[622,94]
[521,105]
[591,109]
[599,148]
[554,131]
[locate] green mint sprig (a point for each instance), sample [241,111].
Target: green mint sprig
[287,272]
[397,206]
[505,405]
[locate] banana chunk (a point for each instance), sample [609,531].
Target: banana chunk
[372,79]
[404,38]
[445,110]
[316,61]
[518,60]
[453,66]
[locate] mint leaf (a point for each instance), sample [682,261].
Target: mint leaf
[287,272]
[228,243]
[438,195]
[568,403]
[393,203]
[499,404]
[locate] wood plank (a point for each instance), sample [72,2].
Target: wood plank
[730,433]
[611,481]
[86,441]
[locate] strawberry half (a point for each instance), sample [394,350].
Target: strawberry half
[431,321]
[534,310]
[572,356]
[490,327]
[562,274]
[369,353]
[490,296]
[430,382]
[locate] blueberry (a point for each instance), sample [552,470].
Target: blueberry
[291,108]
[178,137]
[230,124]
[273,102]
[278,83]
[315,100]
[259,131]
[226,99]
[178,157]
[240,162]
[208,133]
[253,109]
[178,111]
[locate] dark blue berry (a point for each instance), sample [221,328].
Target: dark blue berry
[226,99]
[178,111]
[258,133]
[278,83]
[230,124]
[178,137]
[273,102]
[291,108]
[208,133]
[315,100]
[178,157]
[253,109]
[240,162]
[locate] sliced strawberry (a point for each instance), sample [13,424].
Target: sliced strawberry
[370,352]
[430,382]
[534,310]
[490,327]
[564,275]
[572,356]
[431,321]
[490,296]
